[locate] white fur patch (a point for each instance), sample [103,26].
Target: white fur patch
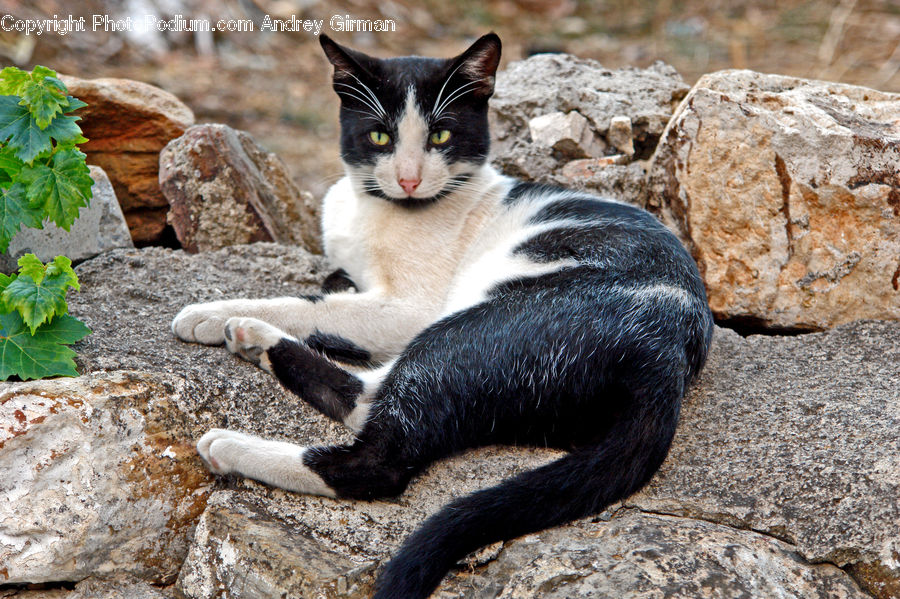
[251,339]
[275,463]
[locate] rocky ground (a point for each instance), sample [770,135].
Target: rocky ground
[782,481]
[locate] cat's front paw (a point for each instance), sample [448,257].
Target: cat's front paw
[221,449]
[201,323]
[251,338]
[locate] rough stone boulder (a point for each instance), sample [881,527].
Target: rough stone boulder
[224,189]
[787,191]
[99,476]
[796,438]
[782,480]
[127,123]
[554,110]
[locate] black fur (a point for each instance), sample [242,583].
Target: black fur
[593,358]
[323,385]
[338,281]
[340,349]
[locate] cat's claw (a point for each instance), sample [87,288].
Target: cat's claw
[201,323]
[251,338]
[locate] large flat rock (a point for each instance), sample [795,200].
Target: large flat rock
[797,437]
[98,475]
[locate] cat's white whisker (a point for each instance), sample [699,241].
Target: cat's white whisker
[371,95]
[376,110]
[437,100]
[456,94]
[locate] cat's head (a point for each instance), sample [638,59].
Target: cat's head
[414,129]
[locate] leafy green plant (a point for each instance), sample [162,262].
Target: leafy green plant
[42,173]
[43,176]
[34,325]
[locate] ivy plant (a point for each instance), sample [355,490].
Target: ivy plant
[43,177]
[35,328]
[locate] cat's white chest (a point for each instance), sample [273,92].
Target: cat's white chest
[400,251]
[344,233]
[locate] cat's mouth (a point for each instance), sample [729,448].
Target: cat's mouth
[410,200]
[417,198]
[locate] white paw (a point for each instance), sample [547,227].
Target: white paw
[222,449]
[275,463]
[203,323]
[250,338]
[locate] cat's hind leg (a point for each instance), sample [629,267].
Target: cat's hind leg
[273,462]
[362,470]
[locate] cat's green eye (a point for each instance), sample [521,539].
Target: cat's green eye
[439,137]
[379,138]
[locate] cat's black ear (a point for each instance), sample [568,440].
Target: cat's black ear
[479,63]
[347,63]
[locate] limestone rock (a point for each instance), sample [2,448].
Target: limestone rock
[645,556]
[99,476]
[611,176]
[788,193]
[547,83]
[561,83]
[127,123]
[99,227]
[621,135]
[567,134]
[224,189]
[119,587]
[242,548]
[796,437]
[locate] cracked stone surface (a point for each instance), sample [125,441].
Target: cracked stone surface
[98,475]
[797,437]
[788,193]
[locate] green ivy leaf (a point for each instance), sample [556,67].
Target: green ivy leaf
[14,213]
[65,130]
[17,125]
[44,97]
[62,267]
[31,265]
[59,188]
[43,354]
[12,80]
[5,280]
[75,104]
[39,292]
[10,165]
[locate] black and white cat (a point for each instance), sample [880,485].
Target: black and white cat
[490,310]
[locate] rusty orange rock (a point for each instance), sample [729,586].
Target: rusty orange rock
[127,123]
[787,191]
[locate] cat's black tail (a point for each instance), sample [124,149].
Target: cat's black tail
[579,484]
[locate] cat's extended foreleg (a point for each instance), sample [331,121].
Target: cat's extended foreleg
[337,393]
[378,324]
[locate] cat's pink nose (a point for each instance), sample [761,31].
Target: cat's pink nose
[409,185]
